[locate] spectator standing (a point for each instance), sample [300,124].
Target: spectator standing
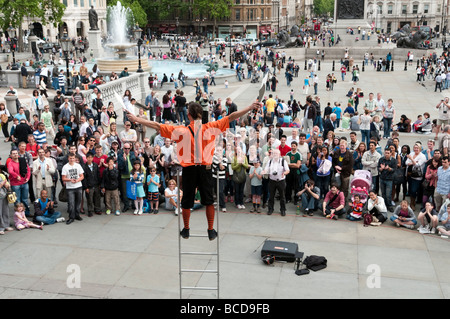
[277,168]
[73,175]
[386,167]
[19,174]
[442,190]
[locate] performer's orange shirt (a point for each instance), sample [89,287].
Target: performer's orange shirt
[195,143]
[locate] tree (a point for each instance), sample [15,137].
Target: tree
[14,12]
[214,10]
[323,7]
[140,17]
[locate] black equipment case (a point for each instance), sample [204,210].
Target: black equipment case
[281,251]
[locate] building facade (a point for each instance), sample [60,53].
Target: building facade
[75,20]
[388,16]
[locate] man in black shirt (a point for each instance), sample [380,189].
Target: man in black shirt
[180,107]
[22,131]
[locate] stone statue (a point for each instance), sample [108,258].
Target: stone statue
[405,39]
[93,19]
[283,37]
[350,9]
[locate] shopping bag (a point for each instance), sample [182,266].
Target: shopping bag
[131,190]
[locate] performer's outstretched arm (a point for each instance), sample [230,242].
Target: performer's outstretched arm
[237,114]
[133,118]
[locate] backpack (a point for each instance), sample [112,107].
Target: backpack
[315,263]
[367,219]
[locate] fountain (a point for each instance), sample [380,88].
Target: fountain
[118,17]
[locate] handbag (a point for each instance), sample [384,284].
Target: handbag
[399,176]
[325,167]
[4,118]
[416,171]
[12,197]
[239,176]
[62,197]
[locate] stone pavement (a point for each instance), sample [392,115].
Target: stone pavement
[131,256]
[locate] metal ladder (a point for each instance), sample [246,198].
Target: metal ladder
[197,253]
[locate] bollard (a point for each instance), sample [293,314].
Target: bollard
[406,65]
[363,66]
[305,65]
[392,65]
[319,66]
[333,66]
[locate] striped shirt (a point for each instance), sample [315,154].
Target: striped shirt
[215,166]
[40,137]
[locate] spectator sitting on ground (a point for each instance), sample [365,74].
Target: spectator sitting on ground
[404,216]
[429,214]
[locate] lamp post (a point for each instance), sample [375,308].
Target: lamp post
[231,32]
[66,46]
[12,36]
[137,35]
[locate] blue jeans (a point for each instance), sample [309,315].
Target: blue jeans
[55,83]
[309,202]
[49,220]
[413,187]
[22,195]
[386,191]
[183,117]
[74,196]
[365,137]
[318,121]
[323,182]
[387,122]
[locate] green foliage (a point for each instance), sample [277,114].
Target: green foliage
[323,7]
[14,12]
[215,10]
[140,17]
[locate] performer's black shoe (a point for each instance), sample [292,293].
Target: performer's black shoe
[212,234]
[184,233]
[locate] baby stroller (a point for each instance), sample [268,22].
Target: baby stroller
[255,77]
[361,184]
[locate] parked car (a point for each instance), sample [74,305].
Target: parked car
[47,46]
[217,41]
[170,36]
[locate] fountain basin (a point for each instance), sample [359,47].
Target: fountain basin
[118,64]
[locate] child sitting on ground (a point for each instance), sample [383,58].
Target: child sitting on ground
[20,220]
[356,209]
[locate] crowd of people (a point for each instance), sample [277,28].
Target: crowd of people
[91,163]
[77,153]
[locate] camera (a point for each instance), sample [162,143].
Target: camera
[274,173]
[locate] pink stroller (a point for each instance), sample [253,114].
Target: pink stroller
[361,184]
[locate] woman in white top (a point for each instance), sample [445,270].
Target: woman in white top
[415,163]
[4,110]
[36,103]
[171,197]
[388,112]
[364,126]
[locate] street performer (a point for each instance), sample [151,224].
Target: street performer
[195,147]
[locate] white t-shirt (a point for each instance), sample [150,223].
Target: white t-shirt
[169,192]
[303,150]
[73,172]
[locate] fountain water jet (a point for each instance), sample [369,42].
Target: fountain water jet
[118,17]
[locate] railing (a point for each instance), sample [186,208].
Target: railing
[113,91]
